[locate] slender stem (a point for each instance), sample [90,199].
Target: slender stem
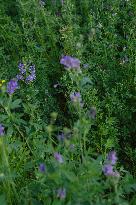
[9,184]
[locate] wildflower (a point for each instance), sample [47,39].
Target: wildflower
[32,68]
[92,113]
[61,193]
[108,170]
[58,157]
[26,73]
[76,98]
[19,77]
[21,65]
[32,75]
[22,69]
[42,168]
[12,86]
[70,62]
[30,78]
[1,130]
[112,157]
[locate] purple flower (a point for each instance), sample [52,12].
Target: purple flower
[75,97]
[70,62]
[30,78]
[33,75]
[92,113]
[108,169]
[42,168]
[1,130]
[23,73]
[20,77]
[61,193]
[58,157]
[112,157]
[12,86]
[21,65]
[32,68]
[22,68]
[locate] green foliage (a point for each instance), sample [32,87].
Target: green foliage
[102,35]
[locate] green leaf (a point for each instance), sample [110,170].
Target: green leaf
[15,104]
[85,81]
[3,117]
[3,200]
[10,131]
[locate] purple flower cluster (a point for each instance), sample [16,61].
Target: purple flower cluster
[32,76]
[12,86]
[22,69]
[70,62]
[108,168]
[24,74]
[28,75]
[1,130]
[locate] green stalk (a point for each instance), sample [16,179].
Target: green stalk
[8,184]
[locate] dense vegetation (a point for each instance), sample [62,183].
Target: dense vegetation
[67,102]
